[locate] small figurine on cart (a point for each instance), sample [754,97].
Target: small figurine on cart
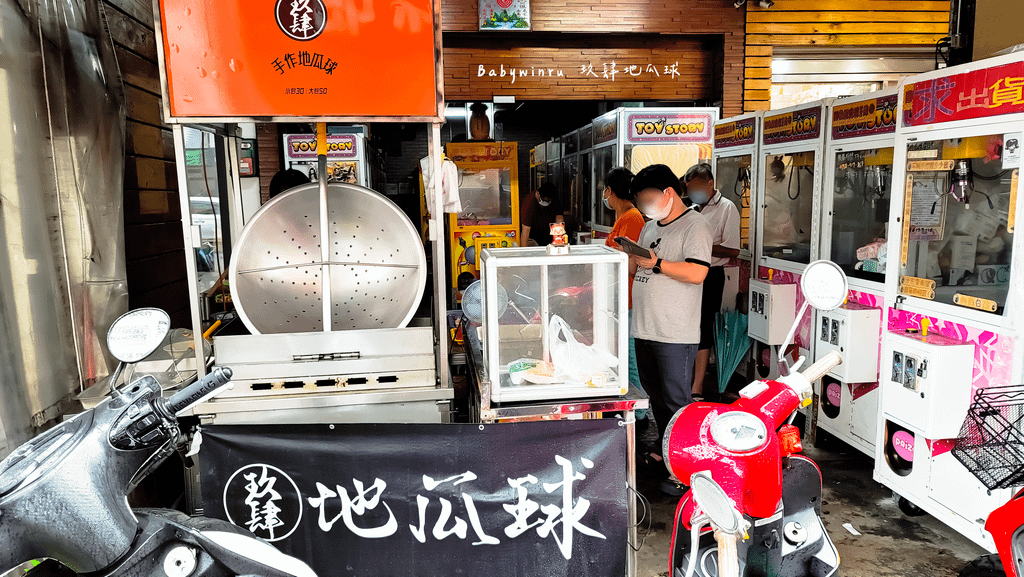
[559,240]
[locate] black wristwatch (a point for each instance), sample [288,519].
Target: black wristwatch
[657,267]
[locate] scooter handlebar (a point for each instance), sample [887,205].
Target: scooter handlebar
[193,393]
[823,366]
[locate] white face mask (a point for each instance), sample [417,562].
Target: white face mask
[544,202]
[607,204]
[654,212]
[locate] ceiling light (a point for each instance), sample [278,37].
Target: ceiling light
[766,4]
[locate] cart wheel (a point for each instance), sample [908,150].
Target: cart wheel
[984,566]
[909,509]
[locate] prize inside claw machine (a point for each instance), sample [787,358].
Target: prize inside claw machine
[489,190]
[855,217]
[787,196]
[947,439]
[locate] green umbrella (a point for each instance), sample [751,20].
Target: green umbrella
[731,343]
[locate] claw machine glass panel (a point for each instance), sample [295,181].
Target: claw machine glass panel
[555,326]
[790,186]
[571,180]
[489,190]
[735,159]
[859,170]
[959,240]
[538,166]
[586,175]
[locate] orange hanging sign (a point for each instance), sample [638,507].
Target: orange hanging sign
[300,59]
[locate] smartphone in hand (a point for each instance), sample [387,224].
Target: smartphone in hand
[630,247]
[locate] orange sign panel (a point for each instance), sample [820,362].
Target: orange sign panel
[300,58]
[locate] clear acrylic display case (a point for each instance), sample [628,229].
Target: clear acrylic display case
[523,289]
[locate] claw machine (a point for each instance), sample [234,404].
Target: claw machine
[734,160]
[489,190]
[786,195]
[952,341]
[854,231]
[350,158]
[639,137]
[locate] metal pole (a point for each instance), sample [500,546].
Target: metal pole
[631,502]
[437,240]
[325,248]
[190,246]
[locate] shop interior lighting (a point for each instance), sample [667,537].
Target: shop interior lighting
[766,4]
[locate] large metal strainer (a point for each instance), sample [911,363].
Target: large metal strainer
[376,263]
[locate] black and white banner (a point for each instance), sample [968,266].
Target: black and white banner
[525,499]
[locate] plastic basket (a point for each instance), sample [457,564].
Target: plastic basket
[991,441]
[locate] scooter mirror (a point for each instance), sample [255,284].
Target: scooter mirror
[824,285]
[136,334]
[715,503]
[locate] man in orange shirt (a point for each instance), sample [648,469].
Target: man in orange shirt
[628,223]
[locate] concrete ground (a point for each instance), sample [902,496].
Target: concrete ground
[890,544]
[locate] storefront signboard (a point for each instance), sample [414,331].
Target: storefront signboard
[545,498]
[301,59]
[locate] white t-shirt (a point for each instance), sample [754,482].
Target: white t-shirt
[724,218]
[664,309]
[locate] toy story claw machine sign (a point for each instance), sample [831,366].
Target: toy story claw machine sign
[300,154]
[289,58]
[489,190]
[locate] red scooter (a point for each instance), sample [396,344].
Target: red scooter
[1007,529]
[761,499]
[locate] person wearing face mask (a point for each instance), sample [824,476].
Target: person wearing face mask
[667,292]
[724,218]
[628,223]
[539,210]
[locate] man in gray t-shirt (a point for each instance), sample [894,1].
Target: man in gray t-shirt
[667,291]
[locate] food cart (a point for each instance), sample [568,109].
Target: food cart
[855,216]
[336,425]
[948,440]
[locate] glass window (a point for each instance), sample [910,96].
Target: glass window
[732,179]
[860,212]
[485,193]
[789,198]
[604,161]
[958,249]
[202,181]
